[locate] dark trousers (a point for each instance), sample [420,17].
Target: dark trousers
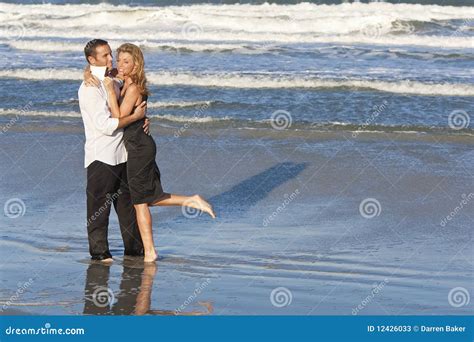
[106,186]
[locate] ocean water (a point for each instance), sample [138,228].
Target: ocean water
[317,65]
[333,138]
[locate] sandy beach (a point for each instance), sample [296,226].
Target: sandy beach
[334,139]
[292,237]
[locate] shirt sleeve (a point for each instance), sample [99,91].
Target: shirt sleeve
[97,110]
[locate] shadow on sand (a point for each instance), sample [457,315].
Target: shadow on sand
[244,195]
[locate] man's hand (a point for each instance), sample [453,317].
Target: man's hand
[140,111]
[146,126]
[89,79]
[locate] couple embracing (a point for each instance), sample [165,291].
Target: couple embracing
[120,152]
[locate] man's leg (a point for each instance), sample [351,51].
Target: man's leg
[101,183]
[127,218]
[97,295]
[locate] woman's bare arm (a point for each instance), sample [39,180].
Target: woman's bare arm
[128,103]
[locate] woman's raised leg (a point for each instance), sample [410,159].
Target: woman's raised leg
[195,201]
[146,231]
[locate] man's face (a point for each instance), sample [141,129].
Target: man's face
[103,57]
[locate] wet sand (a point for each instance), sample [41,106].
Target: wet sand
[308,224]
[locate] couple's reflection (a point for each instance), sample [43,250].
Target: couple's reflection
[134,295]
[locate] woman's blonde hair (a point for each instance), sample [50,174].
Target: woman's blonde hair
[138,76]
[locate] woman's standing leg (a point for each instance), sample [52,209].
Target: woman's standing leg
[146,231]
[196,202]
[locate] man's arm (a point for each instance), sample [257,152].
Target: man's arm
[94,106]
[146,126]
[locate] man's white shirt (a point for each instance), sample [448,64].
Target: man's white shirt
[104,142]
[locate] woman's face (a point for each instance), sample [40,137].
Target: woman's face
[125,64]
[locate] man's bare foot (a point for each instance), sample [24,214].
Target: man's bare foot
[201,204]
[150,257]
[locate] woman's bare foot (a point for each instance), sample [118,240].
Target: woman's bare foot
[150,256]
[200,203]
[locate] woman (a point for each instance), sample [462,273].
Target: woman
[142,172]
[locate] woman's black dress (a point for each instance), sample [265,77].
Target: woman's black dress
[142,172]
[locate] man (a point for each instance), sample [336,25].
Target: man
[105,160]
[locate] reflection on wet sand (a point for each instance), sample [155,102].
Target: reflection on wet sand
[134,296]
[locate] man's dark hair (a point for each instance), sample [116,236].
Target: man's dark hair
[89,49]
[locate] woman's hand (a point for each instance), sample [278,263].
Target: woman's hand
[109,84]
[89,79]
